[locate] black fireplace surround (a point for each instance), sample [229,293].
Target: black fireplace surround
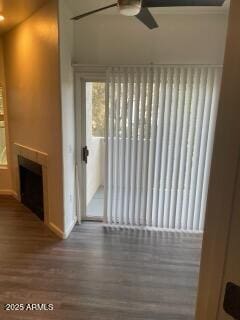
[31,185]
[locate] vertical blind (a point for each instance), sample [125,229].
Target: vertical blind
[159,139]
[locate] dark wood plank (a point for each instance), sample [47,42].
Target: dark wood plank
[98,273]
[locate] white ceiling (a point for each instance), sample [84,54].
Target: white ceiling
[81,6]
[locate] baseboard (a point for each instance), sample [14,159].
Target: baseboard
[59,232]
[56,230]
[8,192]
[15,195]
[70,227]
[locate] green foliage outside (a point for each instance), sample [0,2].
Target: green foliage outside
[98,109]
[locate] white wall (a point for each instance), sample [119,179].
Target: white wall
[114,39]
[67,102]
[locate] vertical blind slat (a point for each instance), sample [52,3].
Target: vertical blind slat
[107,199]
[140,148]
[157,169]
[116,148]
[128,146]
[123,145]
[166,125]
[134,147]
[110,141]
[147,133]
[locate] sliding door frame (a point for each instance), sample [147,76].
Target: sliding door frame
[82,75]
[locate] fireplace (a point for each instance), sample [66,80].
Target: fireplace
[31,185]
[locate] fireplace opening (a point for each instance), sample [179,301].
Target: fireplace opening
[31,186]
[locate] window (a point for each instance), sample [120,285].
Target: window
[3,153]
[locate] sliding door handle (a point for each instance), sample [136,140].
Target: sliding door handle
[85,154]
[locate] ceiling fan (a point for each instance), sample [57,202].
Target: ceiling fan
[139,8]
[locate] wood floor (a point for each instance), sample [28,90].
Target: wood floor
[97,274]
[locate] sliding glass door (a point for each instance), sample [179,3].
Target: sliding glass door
[145,145]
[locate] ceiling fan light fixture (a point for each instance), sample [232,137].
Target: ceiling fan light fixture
[129,7]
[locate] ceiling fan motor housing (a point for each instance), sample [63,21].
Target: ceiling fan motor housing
[130,7]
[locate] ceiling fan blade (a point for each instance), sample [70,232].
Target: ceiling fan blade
[146,17]
[93,11]
[181,3]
